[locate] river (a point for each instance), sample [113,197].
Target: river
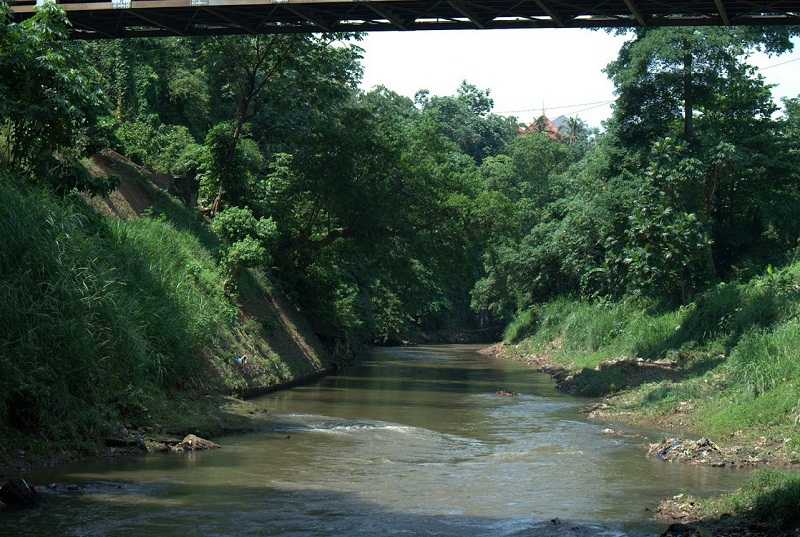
[412,441]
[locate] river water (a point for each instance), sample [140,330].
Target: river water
[412,441]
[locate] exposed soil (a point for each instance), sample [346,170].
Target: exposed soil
[688,520]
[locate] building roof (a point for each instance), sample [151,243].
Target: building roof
[545,125]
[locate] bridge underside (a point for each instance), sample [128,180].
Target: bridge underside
[96,19]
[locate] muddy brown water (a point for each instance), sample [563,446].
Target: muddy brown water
[413,441]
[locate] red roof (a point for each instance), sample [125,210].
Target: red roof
[543,124]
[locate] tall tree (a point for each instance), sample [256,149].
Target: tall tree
[665,76]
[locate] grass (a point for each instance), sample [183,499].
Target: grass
[737,349]
[104,320]
[770,497]
[586,333]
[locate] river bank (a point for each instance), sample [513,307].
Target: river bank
[118,329]
[210,417]
[740,449]
[767,506]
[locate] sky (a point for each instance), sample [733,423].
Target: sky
[560,70]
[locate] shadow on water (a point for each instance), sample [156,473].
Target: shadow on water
[116,510]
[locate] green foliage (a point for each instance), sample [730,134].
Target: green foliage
[169,149]
[247,252]
[232,160]
[235,224]
[50,101]
[466,120]
[248,240]
[666,251]
[692,184]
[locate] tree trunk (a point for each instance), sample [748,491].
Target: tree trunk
[688,95]
[241,116]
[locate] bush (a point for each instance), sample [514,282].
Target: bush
[168,149]
[51,99]
[247,241]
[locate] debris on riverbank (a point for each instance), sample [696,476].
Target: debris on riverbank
[706,452]
[702,451]
[194,443]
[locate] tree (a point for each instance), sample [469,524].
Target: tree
[466,119]
[693,86]
[51,101]
[665,76]
[575,131]
[243,67]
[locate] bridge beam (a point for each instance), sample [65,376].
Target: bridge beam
[388,15]
[97,19]
[154,22]
[555,17]
[236,24]
[308,18]
[465,11]
[637,14]
[723,12]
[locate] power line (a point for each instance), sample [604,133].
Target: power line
[780,63]
[560,107]
[592,108]
[598,104]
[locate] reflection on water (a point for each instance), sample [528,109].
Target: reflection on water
[412,442]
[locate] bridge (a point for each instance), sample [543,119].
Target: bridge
[97,19]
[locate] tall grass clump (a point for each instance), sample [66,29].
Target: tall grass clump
[584,333]
[766,359]
[98,314]
[522,326]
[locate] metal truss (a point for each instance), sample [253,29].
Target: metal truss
[96,19]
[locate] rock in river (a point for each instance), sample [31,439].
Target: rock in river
[194,443]
[18,493]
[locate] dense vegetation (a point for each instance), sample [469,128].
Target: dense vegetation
[674,238]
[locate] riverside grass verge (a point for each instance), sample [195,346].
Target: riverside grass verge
[767,505]
[108,321]
[731,363]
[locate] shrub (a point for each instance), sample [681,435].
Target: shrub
[246,238]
